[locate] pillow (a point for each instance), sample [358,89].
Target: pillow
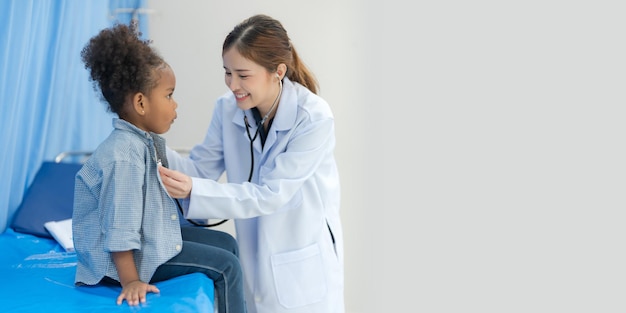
[49,198]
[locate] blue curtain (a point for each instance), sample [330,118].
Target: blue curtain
[47,103]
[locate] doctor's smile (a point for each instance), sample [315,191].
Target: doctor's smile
[241,96]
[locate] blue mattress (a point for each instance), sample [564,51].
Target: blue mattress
[37,275]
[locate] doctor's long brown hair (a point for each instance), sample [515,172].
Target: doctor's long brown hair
[264,41]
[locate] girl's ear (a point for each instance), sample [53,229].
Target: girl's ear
[138,104]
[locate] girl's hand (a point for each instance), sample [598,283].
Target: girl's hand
[178,185]
[135,292]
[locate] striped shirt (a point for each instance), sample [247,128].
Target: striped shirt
[121,205]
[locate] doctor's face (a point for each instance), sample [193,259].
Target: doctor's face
[252,85]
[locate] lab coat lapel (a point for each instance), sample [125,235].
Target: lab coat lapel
[238,120]
[285,115]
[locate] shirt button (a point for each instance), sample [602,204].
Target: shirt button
[257,299]
[174,217]
[178,247]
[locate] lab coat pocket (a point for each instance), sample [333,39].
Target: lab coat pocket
[299,277]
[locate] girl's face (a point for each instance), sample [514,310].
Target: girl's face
[160,106]
[252,85]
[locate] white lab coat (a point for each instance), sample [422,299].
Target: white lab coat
[283,217]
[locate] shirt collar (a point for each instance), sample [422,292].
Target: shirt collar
[149,138]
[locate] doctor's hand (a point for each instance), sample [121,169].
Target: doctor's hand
[178,185]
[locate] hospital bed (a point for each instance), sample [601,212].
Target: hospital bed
[37,274]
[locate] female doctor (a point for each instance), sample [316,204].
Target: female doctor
[274,137]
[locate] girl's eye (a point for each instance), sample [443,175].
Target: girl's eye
[228,74]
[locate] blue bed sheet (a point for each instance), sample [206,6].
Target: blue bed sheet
[37,275]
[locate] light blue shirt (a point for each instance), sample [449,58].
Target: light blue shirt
[121,205]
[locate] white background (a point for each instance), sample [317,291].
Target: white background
[480,144]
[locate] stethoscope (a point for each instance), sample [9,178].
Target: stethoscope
[251,138]
[259,125]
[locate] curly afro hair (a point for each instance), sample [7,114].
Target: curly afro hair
[120,64]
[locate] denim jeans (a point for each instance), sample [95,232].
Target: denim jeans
[215,254]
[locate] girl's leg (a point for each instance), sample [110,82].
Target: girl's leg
[211,237]
[219,265]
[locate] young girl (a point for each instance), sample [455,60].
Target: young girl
[126,228]
[274,137]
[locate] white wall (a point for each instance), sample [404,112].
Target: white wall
[480,144]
